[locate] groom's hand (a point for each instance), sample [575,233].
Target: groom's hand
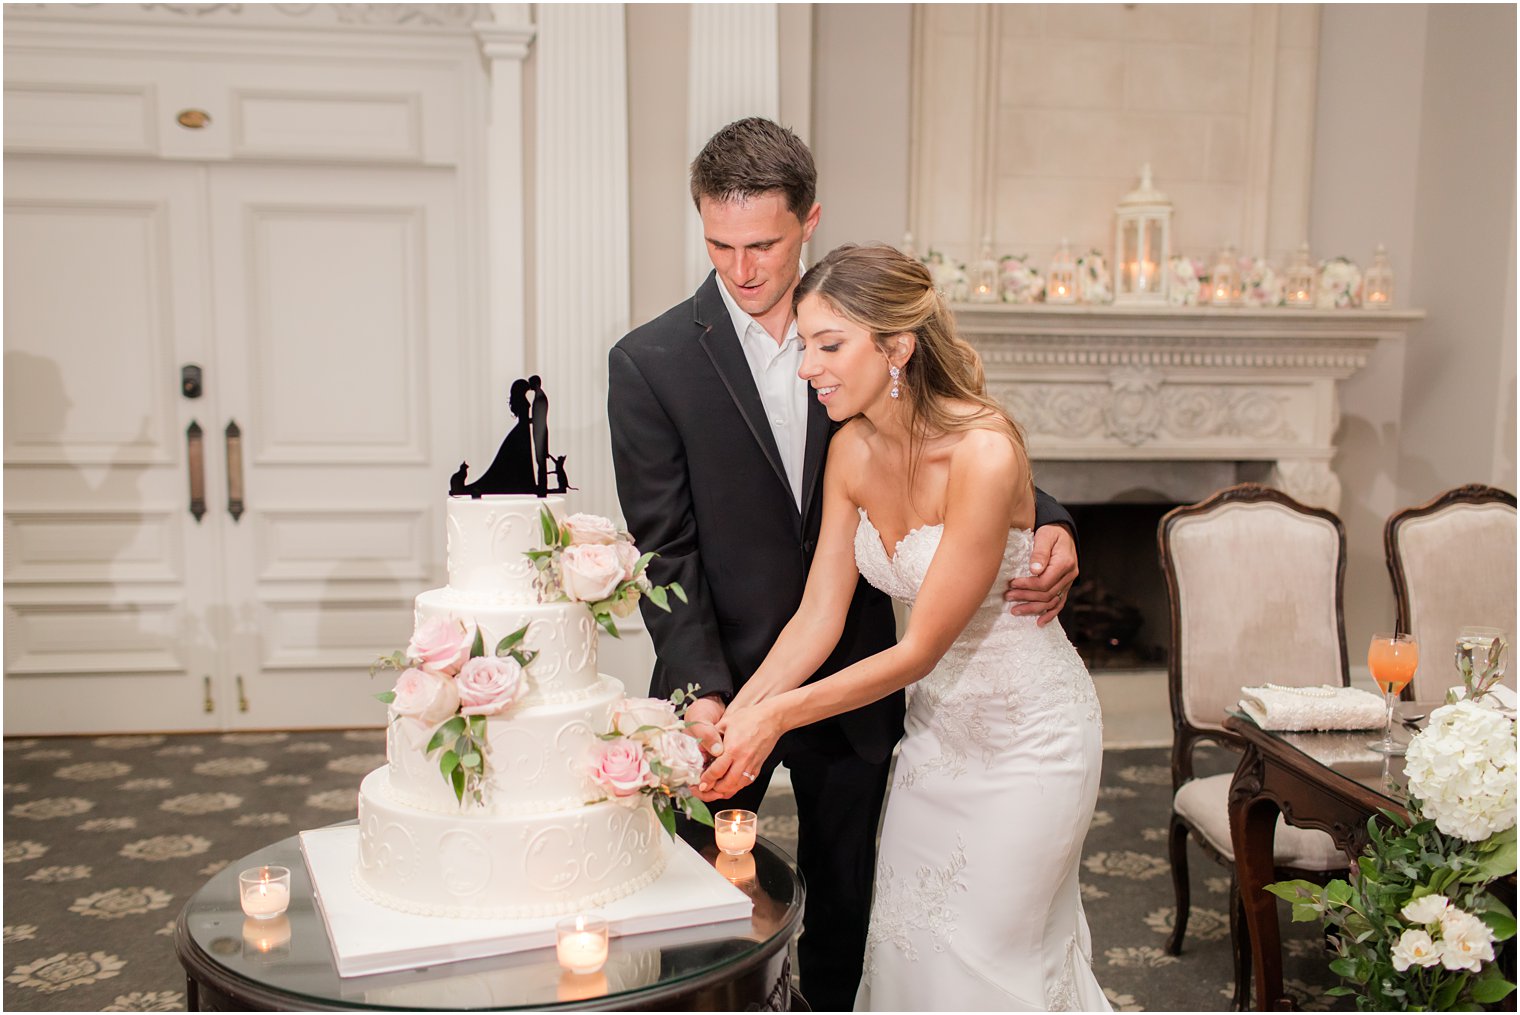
[703,715]
[1053,567]
[749,735]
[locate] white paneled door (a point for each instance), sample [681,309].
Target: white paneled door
[321,306]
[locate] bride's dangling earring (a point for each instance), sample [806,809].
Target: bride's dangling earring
[895,373]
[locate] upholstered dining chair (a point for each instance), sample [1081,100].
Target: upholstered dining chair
[1255,580]
[1452,561]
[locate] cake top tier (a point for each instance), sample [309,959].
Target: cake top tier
[489,538]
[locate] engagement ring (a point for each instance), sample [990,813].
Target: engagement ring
[748,776]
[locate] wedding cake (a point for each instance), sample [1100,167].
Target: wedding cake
[497,800]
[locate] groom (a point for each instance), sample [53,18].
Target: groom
[719,453]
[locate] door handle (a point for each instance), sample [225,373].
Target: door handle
[234,470]
[195,456]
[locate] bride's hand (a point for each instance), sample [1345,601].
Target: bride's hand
[749,735]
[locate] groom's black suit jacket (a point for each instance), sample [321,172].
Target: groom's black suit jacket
[702,484]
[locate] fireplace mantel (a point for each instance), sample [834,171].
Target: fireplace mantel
[1180,384]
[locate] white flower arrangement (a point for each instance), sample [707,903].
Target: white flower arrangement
[1415,927]
[1260,284]
[950,277]
[1019,281]
[1462,769]
[1094,284]
[1340,284]
[1185,285]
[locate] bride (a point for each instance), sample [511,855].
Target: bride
[928,495]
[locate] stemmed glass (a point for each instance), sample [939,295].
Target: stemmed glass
[1481,655]
[1392,658]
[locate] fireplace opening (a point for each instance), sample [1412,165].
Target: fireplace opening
[1118,617]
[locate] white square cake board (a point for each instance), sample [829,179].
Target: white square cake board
[369,938]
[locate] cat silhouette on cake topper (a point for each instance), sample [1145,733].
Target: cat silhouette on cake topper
[522,464]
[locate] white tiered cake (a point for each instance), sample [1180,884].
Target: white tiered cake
[531,845]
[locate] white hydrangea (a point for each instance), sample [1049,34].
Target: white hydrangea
[1462,768]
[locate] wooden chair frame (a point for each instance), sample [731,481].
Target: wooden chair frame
[1472,493]
[1186,737]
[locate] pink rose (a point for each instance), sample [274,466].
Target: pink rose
[591,530]
[635,713]
[424,696]
[619,766]
[590,572]
[489,685]
[628,556]
[440,645]
[681,753]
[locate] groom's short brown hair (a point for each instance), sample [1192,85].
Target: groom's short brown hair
[750,157]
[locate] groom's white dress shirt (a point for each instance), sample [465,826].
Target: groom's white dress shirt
[784,394]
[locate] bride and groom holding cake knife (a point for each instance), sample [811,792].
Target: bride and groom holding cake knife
[723,411]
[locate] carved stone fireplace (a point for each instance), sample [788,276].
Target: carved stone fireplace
[1189,392]
[1164,406]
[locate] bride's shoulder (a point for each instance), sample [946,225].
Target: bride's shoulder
[985,451]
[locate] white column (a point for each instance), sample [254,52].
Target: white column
[581,228]
[504,43]
[735,71]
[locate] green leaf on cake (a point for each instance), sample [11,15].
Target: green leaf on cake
[470,761]
[478,726]
[478,646]
[549,525]
[504,646]
[667,816]
[448,763]
[605,620]
[386,696]
[442,734]
[457,778]
[697,811]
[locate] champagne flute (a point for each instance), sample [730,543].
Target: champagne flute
[1392,658]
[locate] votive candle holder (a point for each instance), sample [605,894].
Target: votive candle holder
[735,831]
[580,943]
[264,891]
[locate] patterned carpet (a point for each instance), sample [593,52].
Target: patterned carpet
[106,838]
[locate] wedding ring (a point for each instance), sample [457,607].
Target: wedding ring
[748,776]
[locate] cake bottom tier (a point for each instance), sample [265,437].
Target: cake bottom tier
[505,867]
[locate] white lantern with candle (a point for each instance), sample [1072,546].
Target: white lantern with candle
[984,279]
[1142,243]
[1298,287]
[1377,284]
[1224,279]
[1061,287]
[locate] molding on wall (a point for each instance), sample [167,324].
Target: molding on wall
[581,232]
[735,68]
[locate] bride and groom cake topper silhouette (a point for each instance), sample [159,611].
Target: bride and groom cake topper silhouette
[523,463]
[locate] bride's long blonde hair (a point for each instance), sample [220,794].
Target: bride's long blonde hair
[888,293]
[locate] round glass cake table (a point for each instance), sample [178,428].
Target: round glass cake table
[287,963]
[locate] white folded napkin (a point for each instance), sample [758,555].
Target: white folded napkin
[1275,707]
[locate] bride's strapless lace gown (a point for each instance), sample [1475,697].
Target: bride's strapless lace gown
[976,901]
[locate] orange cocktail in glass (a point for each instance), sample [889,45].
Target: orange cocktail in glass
[1392,658]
